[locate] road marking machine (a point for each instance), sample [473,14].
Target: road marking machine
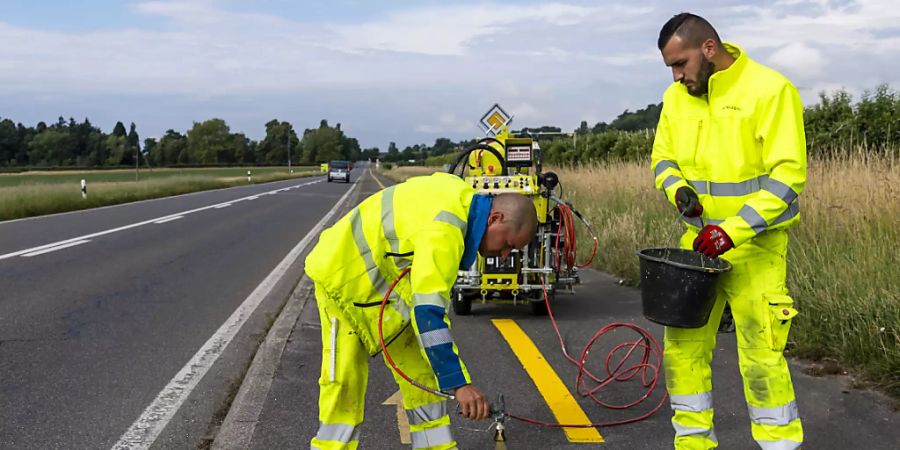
[513,163]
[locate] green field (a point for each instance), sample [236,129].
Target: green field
[37,193]
[124,175]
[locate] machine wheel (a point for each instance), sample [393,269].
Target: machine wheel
[537,303]
[462,305]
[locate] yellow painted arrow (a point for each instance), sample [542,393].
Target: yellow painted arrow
[402,420]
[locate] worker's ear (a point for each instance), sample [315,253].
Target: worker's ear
[495,217]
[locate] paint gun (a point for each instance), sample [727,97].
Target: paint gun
[498,412]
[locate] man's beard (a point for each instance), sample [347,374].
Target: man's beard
[701,86]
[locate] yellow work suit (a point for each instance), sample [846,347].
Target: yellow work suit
[742,148]
[419,224]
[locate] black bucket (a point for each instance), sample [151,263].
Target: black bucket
[678,287]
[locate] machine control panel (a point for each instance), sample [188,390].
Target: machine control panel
[522,184]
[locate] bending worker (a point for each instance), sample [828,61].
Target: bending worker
[433,225]
[730,153]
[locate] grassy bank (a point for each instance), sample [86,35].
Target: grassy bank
[843,267]
[37,193]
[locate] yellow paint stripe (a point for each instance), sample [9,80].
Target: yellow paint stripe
[372,174]
[551,387]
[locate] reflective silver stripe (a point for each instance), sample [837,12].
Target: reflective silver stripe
[387,218]
[426,413]
[753,218]
[672,179]
[434,299]
[783,444]
[663,165]
[792,210]
[779,415]
[697,222]
[699,186]
[431,437]
[720,189]
[337,432]
[372,270]
[449,217]
[693,402]
[781,190]
[436,337]
[681,430]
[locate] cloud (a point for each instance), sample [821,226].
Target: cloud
[799,61]
[411,74]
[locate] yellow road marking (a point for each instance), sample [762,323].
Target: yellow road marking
[551,387]
[402,420]
[372,174]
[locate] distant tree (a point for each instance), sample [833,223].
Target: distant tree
[117,148]
[273,149]
[119,130]
[149,150]
[210,142]
[9,143]
[134,145]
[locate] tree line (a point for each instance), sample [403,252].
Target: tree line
[835,126]
[211,142]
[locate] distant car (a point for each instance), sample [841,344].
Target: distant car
[339,170]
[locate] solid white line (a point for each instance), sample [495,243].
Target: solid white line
[126,227]
[168,219]
[223,205]
[58,247]
[144,431]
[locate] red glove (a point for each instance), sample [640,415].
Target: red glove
[712,241]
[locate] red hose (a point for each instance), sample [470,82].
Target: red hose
[648,369]
[570,244]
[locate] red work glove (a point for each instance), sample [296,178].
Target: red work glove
[687,202]
[712,241]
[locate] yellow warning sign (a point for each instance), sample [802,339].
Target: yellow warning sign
[495,119]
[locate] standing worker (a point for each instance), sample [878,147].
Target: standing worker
[730,153]
[433,225]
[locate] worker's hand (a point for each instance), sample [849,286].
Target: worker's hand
[712,241]
[472,402]
[687,202]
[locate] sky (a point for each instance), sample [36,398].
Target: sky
[402,71]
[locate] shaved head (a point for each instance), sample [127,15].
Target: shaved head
[518,210]
[693,30]
[511,225]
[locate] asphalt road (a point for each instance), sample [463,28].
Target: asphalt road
[91,334]
[280,408]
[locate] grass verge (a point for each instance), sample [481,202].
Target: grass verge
[843,269]
[35,199]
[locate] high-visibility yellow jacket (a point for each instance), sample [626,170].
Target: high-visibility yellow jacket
[741,147]
[419,223]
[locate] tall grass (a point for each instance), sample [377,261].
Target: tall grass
[34,199]
[842,259]
[843,265]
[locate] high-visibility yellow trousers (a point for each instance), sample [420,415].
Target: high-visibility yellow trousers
[755,291]
[343,379]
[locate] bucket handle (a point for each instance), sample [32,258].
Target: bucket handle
[669,243]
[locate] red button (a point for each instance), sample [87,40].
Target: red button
[785,312]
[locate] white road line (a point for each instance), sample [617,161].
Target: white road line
[168,219]
[144,431]
[126,227]
[58,247]
[223,205]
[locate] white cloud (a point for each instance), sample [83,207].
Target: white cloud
[415,74]
[799,61]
